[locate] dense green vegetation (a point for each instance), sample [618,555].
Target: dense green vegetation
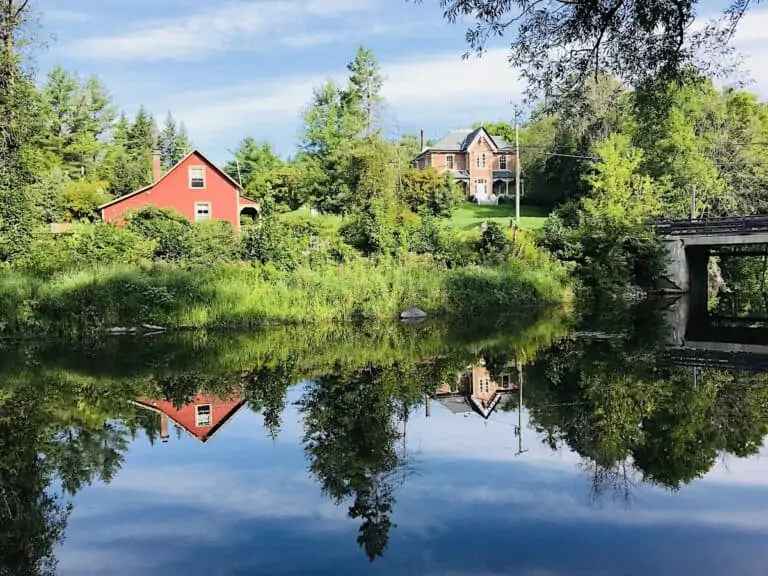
[604,160]
[383,243]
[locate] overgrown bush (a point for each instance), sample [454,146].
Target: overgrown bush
[274,242]
[180,241]
[82,198]
[433,237]
[86,246]
[428,192]
[494,244]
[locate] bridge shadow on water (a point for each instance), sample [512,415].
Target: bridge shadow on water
[699,338]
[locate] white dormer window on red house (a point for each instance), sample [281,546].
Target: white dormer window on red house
[196,177]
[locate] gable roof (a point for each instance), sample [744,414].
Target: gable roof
[460,140]
[173,168]
[208,434]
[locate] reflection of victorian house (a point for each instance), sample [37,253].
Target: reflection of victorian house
[477,391]
[203,417]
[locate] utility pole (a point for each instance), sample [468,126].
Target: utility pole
[520,411]
[517,171]
[693,204]
[237,163]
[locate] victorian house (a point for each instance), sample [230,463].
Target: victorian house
[483,164]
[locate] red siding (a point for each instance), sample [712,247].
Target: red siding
[173,191]
[185,417]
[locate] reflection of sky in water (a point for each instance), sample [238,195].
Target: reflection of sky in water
[245,505]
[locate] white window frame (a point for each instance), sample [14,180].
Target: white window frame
[206,423]
[450,161]
[209,205]
[503,162]
[202,171]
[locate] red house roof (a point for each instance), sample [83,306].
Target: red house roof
[201,418]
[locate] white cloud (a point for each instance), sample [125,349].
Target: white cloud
[439,88]
[236,25]
[751,39]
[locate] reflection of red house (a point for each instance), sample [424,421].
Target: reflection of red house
[202,417]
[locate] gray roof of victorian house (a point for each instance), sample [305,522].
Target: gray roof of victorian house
[459,140]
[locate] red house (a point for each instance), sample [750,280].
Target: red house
[195,187]
[201,418]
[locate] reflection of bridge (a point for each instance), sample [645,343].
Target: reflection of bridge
[690,243]
[698,339]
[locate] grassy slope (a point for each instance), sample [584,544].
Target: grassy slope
[471,215]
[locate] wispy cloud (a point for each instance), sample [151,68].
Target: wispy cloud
[438,88]
[238,24]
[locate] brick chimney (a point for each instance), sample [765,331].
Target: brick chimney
[421,139]
[164,428]
[157,168]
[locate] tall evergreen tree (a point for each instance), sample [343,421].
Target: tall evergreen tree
[173,142]
[363,93]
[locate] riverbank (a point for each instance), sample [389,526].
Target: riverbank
[240,296]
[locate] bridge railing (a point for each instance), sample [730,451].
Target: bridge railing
[725,225]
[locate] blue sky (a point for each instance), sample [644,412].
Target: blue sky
[242,504]
[246,67]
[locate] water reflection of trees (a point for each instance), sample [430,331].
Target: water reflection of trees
[67,417]
[632,420]
[54,440]
[67,420]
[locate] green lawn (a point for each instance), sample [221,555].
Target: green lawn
[471,215]
[467,217]
[330,220]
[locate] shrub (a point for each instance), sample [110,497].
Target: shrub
[273,241]
[494,244]
[85,246]
[435,238]
[82,198]
[431,193]
[180,241]
[166,227]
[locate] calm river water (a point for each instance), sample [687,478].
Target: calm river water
[399,449]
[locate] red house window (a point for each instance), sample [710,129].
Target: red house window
[196,177]
[202,211]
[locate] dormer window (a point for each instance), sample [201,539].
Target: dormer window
[196,177]
[503,162]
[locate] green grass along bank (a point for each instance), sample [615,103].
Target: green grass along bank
[240,296]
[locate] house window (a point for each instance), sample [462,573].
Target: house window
[503,162]
[477,161]
[449,161]
[482,159]
[196,177]
[506,380]
[202,211]
[203,415]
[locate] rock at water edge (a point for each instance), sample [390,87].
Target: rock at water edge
[413,314]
